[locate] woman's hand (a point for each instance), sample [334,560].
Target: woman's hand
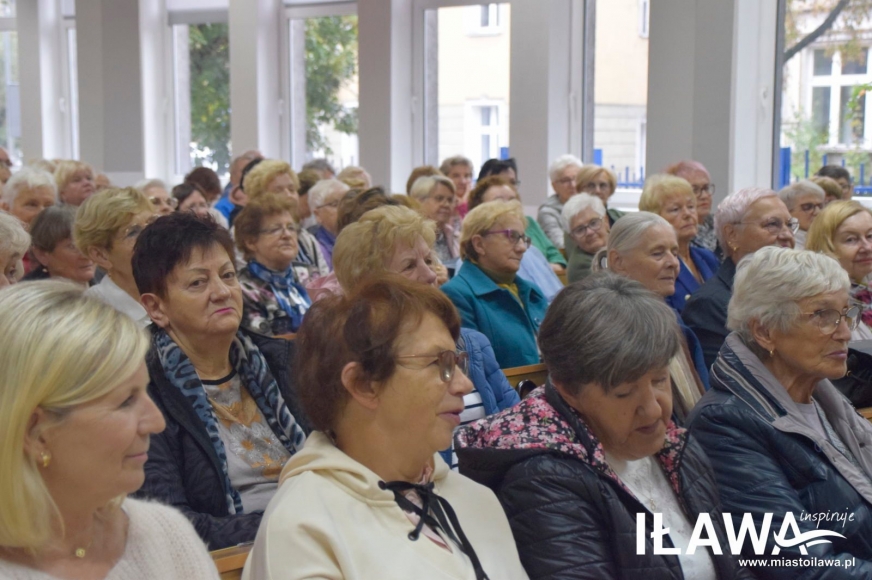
[558,269]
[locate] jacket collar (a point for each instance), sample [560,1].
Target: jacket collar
[481,284]
[727,272]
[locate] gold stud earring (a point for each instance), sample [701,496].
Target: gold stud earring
[772,353]
[45,456]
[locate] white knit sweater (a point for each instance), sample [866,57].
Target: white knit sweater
[161,543]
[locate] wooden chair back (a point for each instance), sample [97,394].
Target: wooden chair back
[535,373]
[230,561]
[867,412]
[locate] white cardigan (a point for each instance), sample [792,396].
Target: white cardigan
[161,543]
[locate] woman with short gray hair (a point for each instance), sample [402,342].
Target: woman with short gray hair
[14,242]
[562,174]
[804,200]
[586,232]
[781,438]
[599,445]
[324,198]
[746,221]
[437,198]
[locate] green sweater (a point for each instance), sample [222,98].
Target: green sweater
[541,241]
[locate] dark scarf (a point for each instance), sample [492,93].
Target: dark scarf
[292,297]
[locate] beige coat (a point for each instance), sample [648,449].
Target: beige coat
[329,519]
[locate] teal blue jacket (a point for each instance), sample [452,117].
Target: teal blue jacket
[495,312]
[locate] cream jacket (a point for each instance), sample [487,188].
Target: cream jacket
[329,519]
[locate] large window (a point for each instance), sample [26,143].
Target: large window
[10,100]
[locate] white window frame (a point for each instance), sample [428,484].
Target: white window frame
[644,17]
[835,81]
[473,130]
[69,100]
[496,20]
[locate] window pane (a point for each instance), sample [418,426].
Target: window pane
[852,118]
[823,63]
[7,8]
[820,111]
[10,102]
[467,83]
[854,65]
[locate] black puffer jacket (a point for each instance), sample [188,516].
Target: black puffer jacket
[571,516]
[183,469]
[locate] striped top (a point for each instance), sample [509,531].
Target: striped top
[473,410]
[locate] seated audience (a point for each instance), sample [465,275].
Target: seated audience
[487,291]
[700,181]
[601,182]
[643,246]
[746,221]
[562,173]
[844,231]
[75,181]
[831,187]
[378,373]
[14,243]
[274,176]
[459,170]
[27,193]
[399,240]
[587,231]
[672,199]
[578,461]
[207,181]
[188,197]
[107,226]
[225,205]
[226,394]
[324,200]
[841,176]
[156,192]
[273,301]
[51,235]
[780,437]
[436,195]
[505,168]
[804,200]
[356,174]
[75,424]
[419,172]
[541,255]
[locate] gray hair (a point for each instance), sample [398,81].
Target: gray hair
[322,190]
[606,329]
[626,235]
[561,163]
[771,281]
[53,225]
[580,202]
[14,239]
[147,184]
[734,207]
[805,187]
[28,179]
[424,186]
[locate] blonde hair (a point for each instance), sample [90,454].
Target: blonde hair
[59,349]
[483,218]
[367,245]
[258,179]
[104,214]
[424,186]
[65,169]
[661,186]
[354,176]
[590,172]
[822,231]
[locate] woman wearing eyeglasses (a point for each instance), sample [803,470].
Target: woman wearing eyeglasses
[601,182]
[156,192]
[700,181]
[107,225]
[274,301]
[324,198]
[488,293]
[587,233]
[746,221]
[672,199]
[843,231]
[804,200]
[780,437]
[368,495]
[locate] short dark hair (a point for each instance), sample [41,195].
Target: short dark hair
[834,172]
[355,203]
[168,242]
[497,166]
[52,226]
[185,190]
[246,170]
[362,326]
[308,178]
[206,179]
[609,330]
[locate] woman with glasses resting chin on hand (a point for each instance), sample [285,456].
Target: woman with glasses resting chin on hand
[487,292]
[368,495]
[780,437]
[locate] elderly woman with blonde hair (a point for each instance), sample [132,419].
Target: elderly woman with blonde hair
[75,424]
[746,221]
[700,181]
[14,242]
[487,291]
[275,176]
[601,182]
[672,199]
[782,440]
[75,181]
[843,230]
[107,226]
[804,200]
[437,198]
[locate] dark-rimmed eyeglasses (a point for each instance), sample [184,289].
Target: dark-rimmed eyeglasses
[828,320]
[811,206]
[512,235]
[593,225]
[447,360]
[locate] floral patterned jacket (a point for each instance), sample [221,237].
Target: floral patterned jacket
[262,312]
[571,515]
